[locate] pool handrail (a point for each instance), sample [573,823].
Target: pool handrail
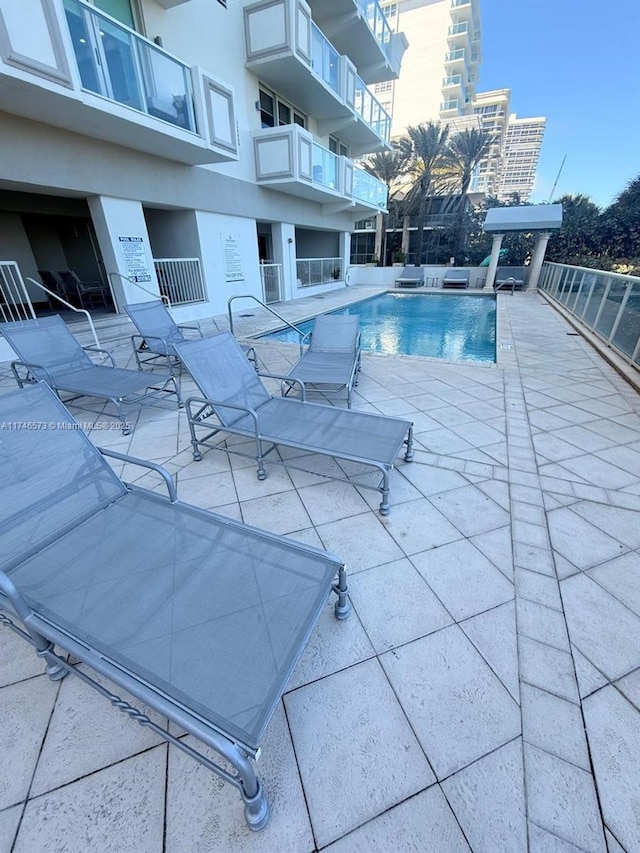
[302,334]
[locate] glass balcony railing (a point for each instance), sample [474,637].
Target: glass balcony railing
[325,59]
[117,63]
[325,167]
[458,29]
[368,189]
[371,110]
[447,106]
[377,21]
[454,55]
[456,3]
[453,80]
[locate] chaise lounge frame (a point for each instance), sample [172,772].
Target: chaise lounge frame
[63,509]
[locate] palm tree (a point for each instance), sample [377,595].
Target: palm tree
[465,151]
[388,167]
[428,147]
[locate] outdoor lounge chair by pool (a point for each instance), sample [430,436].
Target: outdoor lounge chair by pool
[200,617]
[49,352]
[158,334]
[236,402]
[331,360]
[410,276]
[456,278]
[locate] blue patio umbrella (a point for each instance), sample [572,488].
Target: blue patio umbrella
[501,256]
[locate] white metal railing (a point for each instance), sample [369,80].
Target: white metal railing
[15,302]
[131,280]
[180,280]
[69,307]
[116,62]
[377,21]
[310,271]
[325,59]
[371,110]
[325,167]
[271,278]
[368,188]
[607,303]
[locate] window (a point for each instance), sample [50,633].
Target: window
[338,147]
[380,88]
[271,106]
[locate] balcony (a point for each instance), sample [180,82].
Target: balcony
[359,29]
[74,67]
[456,62]
[453,86]
[288,52]
[288,159]
[459,35]
[451,107]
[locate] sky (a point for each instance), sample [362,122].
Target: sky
[577,62]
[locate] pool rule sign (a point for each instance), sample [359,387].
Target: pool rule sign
[232,259]
[135,258]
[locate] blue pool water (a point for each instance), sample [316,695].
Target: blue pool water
[455,327]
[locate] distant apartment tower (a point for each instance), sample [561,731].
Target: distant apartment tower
[440,66]
[491,110]
[523,140]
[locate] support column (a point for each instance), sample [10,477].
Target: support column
[378,248]
[124,244]
[493,263]
[406,236]
[345,254]
[283,238]
[537,259]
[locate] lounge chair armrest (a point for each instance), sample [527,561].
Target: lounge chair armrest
[103,351]
[203,403]
[134,460]
[30,365]
[290,379]
[192,328]
[149,339]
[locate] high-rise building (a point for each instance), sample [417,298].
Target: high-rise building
[440,67]
[491,110]
[191,148]
[521,150]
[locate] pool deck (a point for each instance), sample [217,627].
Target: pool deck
[483,696]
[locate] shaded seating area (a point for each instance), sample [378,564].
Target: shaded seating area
[201,618]
[411,276]
[456,278]
[68,285]
[331,357]
[49,352]
[236,402]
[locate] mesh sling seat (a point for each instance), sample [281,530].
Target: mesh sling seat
[236,402]
[331,361]
[200,617]
[158,332]
[49,352]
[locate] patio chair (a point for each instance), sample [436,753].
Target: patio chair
[91,294]
[199,617]
[456,278]
[53,281]
[411,276]
[331,361]
[158,332]
[236,402]
[48,351]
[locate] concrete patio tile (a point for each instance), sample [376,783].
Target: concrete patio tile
[120,808]
[458,708]
[463,579]
[572,414]
[497,490]
[526,493]
[602,628]
[528,513]
[205,813]
[488,800]
[598,472]
[545,420]
[422,824]
[494,635]
[613,729]
[26,710]
[470,510]
[9,820]
[383,764]
[330,501]
[553,448]
[615,430]
[496,546]
[362,541]
[554,725]
[586,438]
[208,492]
[87,733]
[621,577]
[612,844]
[283,512]
[541,841]
[538,559]
[629,686]
[622,524]
[417,526]
[395,605]
[548,668]
[249,486]
[562,799]
[589,678]
[334,644]
[431,480]
[542,623]
[443,441]
[18,660]
[450,416]
[580,541]
[536,587]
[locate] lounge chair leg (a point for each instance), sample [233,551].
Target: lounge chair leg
[262,474]
[384,506]
[342,605]
[256,809]
[408,456]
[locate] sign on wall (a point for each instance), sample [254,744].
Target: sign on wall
[135,258]
[231,258]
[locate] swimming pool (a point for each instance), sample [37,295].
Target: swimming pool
[451,326]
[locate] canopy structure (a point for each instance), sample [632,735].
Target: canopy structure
[543,218]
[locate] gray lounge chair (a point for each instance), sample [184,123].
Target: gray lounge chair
[158,332]
[411,276]
[331,360]
[200,617]
[456,278]
[236,402]
[48,351]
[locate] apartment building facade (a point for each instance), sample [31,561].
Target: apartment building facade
[520,154]
[190,148]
